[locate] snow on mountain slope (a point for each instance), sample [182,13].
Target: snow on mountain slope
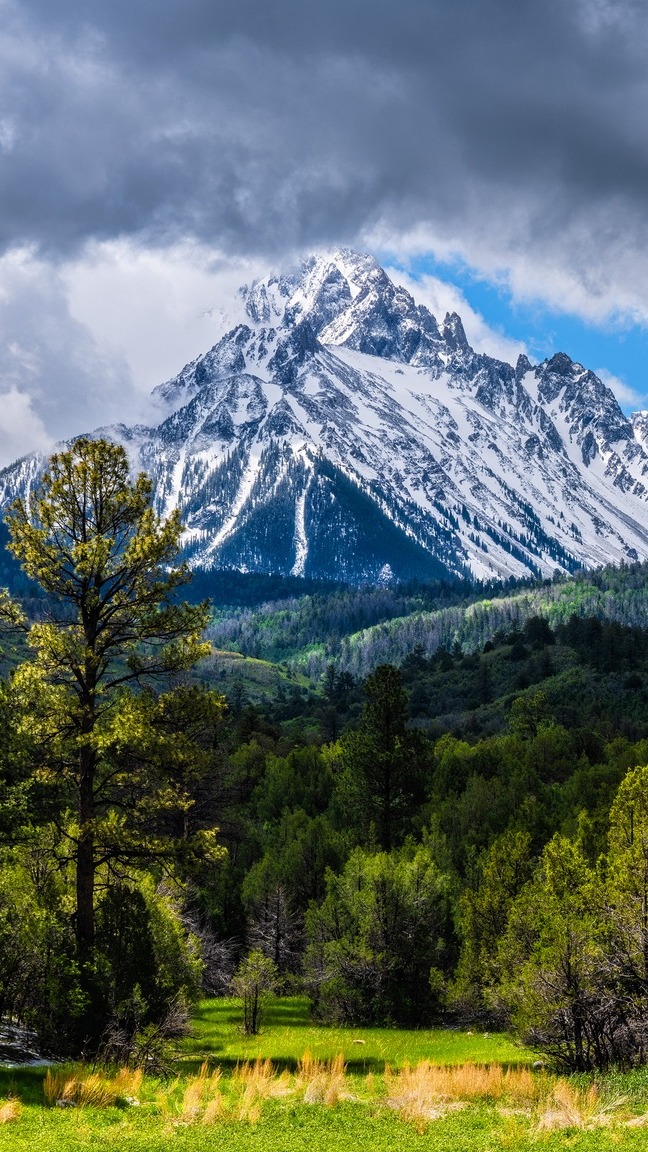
[341,431]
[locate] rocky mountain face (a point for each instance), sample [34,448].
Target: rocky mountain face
[341,431]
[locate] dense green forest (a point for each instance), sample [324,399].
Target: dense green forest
[360,628]
[433,808]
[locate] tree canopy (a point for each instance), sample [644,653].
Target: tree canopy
[107,563]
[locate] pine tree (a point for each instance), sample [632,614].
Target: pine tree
[89,536]
[383,763]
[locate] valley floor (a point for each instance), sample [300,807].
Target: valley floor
[368,1089]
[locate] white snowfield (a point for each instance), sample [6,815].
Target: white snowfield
[337,395]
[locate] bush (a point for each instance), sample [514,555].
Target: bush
[574,956]
[144,971]
[40,980]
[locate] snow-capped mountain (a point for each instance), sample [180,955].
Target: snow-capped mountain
[341,431]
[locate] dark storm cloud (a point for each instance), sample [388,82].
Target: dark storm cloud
[257,126]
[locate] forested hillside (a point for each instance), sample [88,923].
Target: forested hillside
[358,629]
[446,822]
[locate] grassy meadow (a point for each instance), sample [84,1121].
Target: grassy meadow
[289,1032]
[300,1088]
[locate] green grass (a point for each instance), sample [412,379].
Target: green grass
[288,1032]
[362,1123]
[301,1128]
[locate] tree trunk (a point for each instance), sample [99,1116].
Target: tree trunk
[85,863]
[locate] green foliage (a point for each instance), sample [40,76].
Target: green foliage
[382,763]
[574,954]
[255,981]
[302,779]
[91,540]
[177,952]
[114,775]
[22,801]
[382,927]
[483,911]
[40,980]
[125,941]
[146,961]
[551,958]
[359,629]
[627,892]
[300,849]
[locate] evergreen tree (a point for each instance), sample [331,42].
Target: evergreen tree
[483,915]
[551,957]
[383,763]
[90,538]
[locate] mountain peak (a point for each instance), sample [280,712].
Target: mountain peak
[348,300]
[454,334]
[322,284]
[341,432]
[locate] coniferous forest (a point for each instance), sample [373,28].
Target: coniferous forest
[415,806]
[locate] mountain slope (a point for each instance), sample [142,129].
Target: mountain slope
[340,431]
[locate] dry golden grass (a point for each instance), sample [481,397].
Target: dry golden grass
[77,1087]
[127,1082]
[248,1108]
[257,1078]
[260,1082]
[418,1094]
[570,1107]
[467,1082]
[257,1082]
[206,1100]
[9,1110]
[53,1085]
[193,1099]
[638,1121]
[322,1081]
[91,1089]
[201,1097]
[203,1100]
[216,1109]
[414,1093]
[427,1092]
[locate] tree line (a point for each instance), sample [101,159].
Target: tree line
[358,629]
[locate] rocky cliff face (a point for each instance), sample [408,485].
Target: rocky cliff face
[342,431]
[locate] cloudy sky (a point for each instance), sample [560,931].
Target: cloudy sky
[156,153]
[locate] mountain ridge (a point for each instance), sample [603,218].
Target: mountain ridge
[340,431]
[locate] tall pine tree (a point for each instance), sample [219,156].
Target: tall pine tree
[106,562]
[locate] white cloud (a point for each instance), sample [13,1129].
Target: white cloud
[21,428]
[54,377]
[561,274]
[157,309]
[82,343]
